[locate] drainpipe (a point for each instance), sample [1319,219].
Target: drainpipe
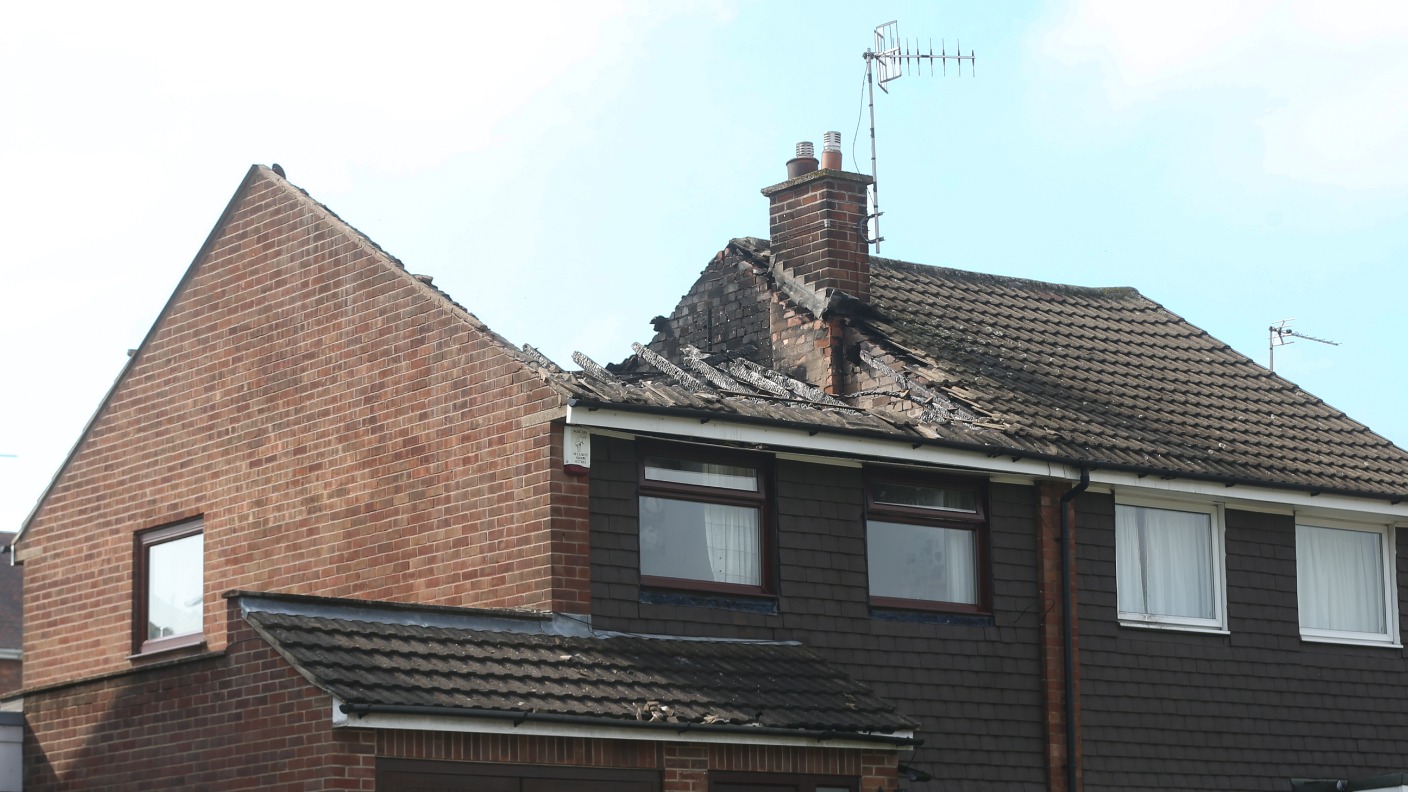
[1068,626]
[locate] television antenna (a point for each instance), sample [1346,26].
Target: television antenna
[1282,334]
[891,59]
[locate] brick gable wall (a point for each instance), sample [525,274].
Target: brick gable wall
[343,429]
[975,686]
[728,308]
[731,307]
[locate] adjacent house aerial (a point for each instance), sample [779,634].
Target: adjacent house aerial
[845,524]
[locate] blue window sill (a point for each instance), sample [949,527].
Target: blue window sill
[925,617]
[766,605]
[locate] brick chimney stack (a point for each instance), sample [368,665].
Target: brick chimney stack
[817,226]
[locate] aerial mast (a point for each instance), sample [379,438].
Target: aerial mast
[1281,334]
[891,59]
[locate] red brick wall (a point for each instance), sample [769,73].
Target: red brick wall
[343,428]
[684,767]
[1053,673]
[244,719]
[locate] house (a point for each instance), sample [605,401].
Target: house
[11,623]
[845,523]
[11,668]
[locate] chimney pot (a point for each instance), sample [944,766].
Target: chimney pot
[803,163]
[831,151]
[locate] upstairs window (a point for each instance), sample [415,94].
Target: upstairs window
[1169,562]
[702,522]
[170,587]
[926,544]
[1344,583]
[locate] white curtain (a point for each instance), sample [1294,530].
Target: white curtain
[957,562]
[1164,560]
[734,549]
[1339,579]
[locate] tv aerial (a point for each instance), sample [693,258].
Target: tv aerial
[1281,334]
[891,59]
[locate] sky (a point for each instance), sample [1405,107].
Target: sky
[566,169]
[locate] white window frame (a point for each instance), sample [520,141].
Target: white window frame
[1389,569]
[1217,624]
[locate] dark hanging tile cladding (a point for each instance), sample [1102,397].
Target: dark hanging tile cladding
[782,686]
[975,687]
[1245,711]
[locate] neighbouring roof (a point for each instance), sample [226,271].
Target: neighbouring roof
[1089,376]
[390,665]
[1390,781]
[11,599]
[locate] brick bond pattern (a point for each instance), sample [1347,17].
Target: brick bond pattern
[344,429]
[241,719]
[977,689]
[1245,711]
[814,224]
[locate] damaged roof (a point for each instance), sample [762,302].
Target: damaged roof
[1099,377]
[376,664]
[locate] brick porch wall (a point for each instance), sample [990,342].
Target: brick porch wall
[684,767]
[242,719]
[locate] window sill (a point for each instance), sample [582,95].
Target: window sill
[166,646]
[1382,643]
[931,617]
[929,606]
[1205,629]
[761,604]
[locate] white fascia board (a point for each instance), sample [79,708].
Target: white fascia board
[1247,496]
[822,443]
[471,725]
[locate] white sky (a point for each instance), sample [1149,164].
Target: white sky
[565,170]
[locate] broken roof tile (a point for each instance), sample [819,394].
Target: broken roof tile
[368,663]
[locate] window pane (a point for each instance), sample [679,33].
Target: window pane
[964,500]
[1340,579]
[703,474]
[175,587]
[921,562]
[700,541]
[1165,562]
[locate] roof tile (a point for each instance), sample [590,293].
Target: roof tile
[608,676]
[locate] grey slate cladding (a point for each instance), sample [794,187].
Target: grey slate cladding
[776,685]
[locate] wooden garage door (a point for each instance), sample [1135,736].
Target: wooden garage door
[406,775]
